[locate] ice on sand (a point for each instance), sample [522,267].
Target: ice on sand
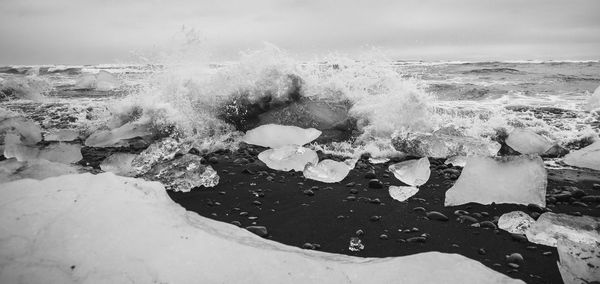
[184,173]
[516,222]
[120,164]
[289,157]
[579,262]
[328,171]
[11,169]
[158,152]
[402,193]
[126,230]
[588,157]
[550,227]
[513,179]
[57,152]
[412,172]
[526,141]
[440,145]
[594,101]
[275,135]
[30,133]
[103,81]
[114,137]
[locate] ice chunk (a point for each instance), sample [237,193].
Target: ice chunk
[184,173]
[378,160]
[402,193]
[412,172]
[29,88]
[275,136]
[120,164]
[103,81]
[112,229]
[30,132]
[588,157]
[112,138]
[158,152]
[57,152]
[594,101]
[550,227]
[516,222]
[579,262]
[328,171]
[11,169]
[526,141]
[356,244]
[457,161]
[511,179]
[439,145]
[62,135]
[287,158]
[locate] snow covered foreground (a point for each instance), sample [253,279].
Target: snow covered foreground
[85,228]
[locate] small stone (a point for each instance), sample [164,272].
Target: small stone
[519,237]
[461,212]
[488,224]
[356,244]
[383,236]
[419,209]
[370,175]
[257,203]
[416,240]
[375,201]
[578,193]
[513,265]
[213,160]
[375,183]
[591,198]
[308,192]
[258,230]
[434,215]
[414,229]
[547,253]
[515,258]
[375,218]
[535,208]
[350,184]
[531,247]
[482,251]
[353,190]
[308,246]
[465,218]
[237,223]
[360,233]
[579,203]
[351,198]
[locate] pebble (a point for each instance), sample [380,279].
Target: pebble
[513,265]
[464,218]
[360,232]
[419,209]
[370,175]
[416,240]
[350,184]
[375,183]
[237,223]
[579,203]
[375,218]
[308,192]
[519,237]
[515,258]
[353,190]
[488,224]
[482,251]
[308,246]
[351,198]
[213,160]
[547,253]
[461,212]
[596,186]
[535,208]
[591,198]
[578,193]
[375,201]
[383,236]
[257,203]
[434,215]
[258,230]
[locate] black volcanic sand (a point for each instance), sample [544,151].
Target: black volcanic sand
[328,215]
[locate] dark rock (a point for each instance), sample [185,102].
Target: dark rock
[535,208]
[465,218]
[257,203]
[515,258]
[555,151]
[308,192]
[237,223]
[308,246]
[416,240]
[578,193]
[213,160]
[370,175]
[258,230]
[591,198]
[360,233]
[375,201]
[375,218]
[519,238]
[488,224]
[482,251]
[383,237]
[353,190]
[351,198]
[419,209]
[350,184]
[460,212]
[579,204]
[434,215]
[375,183]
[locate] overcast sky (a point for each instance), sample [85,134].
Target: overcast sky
[107,31]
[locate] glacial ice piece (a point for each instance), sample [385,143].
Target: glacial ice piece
[30,132]
[155,234]
[158,152]
[356,244]
[550,227]
[579,262]
[515,222]
[112,138]
[588,157]
[440,145]
[184,173]
[62,135]
[511,179]
[412,172]
[328,171]
[275,136]
[57,152]
[11,169]
[402,193]
[457,161]
[103,81]
[289,157]
[120,164]
[28,88]
[594,101]
[526,141]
